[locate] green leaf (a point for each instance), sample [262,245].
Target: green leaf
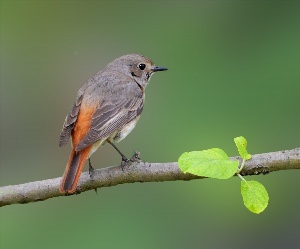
[241,144]
[255,196]
[212,163]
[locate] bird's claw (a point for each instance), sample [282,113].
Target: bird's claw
[134,159]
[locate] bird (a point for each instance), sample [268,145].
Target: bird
[106,110]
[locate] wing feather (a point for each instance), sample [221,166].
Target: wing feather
[70,121]
[110,118]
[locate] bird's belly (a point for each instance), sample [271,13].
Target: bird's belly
[125,130]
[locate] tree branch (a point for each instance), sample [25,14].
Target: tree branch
[141,172]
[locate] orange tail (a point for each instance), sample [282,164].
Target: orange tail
[73,170]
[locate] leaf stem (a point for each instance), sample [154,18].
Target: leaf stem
[242,166]
[242,178]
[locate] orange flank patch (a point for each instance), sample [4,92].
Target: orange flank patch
[83,124]
[77,159]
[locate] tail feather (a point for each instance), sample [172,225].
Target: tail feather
[73,170]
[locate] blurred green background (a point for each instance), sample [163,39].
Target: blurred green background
[234,69]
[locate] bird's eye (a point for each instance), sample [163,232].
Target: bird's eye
[142,66]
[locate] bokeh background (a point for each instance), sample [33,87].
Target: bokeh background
[234,69]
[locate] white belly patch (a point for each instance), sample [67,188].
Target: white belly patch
[127,129]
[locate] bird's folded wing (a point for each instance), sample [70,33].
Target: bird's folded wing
[110,117]
[70,122]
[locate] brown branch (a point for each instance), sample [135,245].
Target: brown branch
[141,172]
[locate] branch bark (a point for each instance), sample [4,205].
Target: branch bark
[141,172]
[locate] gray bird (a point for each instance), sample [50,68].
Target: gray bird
[107,109]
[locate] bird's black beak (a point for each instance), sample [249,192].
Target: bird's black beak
[156,69]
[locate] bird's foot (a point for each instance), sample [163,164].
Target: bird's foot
[134,159]
[125,161]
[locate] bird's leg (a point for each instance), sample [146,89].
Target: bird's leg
[91,169]
[124,158]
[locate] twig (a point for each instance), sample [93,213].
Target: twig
[141,172]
